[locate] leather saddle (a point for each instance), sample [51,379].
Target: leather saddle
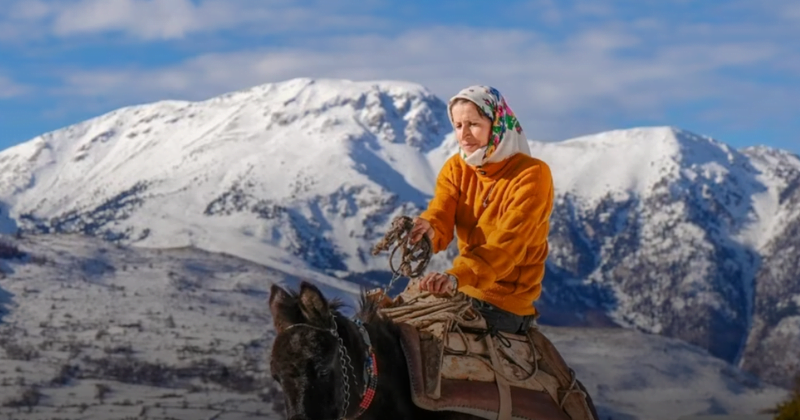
[456,365]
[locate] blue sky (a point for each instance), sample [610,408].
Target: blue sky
[727,69]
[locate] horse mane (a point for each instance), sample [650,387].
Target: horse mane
[368,309]
[369,313]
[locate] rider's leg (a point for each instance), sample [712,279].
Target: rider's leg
[502,320]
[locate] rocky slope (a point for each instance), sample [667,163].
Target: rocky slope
[657,229]
[95,331]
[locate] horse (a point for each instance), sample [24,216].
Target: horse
[331,367]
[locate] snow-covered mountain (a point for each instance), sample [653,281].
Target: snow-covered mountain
[657,229]
[775,326]
[289,172]
[681,235]
[95,331]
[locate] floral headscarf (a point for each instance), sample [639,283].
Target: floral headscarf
[506,138]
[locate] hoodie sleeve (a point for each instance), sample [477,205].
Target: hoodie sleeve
[519,226]
[441,212]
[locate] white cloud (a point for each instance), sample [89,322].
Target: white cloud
[547,11]
[563,88]
[10,88]
[563,83]
[791,11]
[152,20]
[29,10]
[594,8]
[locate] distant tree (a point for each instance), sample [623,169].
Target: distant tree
[9,251]
[790,409]
[101,390]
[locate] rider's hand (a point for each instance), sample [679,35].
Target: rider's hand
[421,227]
[437,284]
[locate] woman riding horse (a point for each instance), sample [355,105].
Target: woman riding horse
[498,199]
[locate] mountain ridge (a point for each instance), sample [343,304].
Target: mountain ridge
[658,229]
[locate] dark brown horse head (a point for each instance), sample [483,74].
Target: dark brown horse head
[306,358]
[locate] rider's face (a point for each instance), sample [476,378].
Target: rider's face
[472,127]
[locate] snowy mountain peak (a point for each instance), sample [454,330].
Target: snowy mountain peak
[775,164]
[654,144]
[283,162]
[635,161]
[305,123]
[404,111]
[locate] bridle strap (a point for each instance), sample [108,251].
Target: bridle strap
[370,371]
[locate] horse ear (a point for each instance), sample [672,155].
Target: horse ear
[284,308]
[314,305]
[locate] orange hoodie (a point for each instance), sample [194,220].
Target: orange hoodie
[500,212]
